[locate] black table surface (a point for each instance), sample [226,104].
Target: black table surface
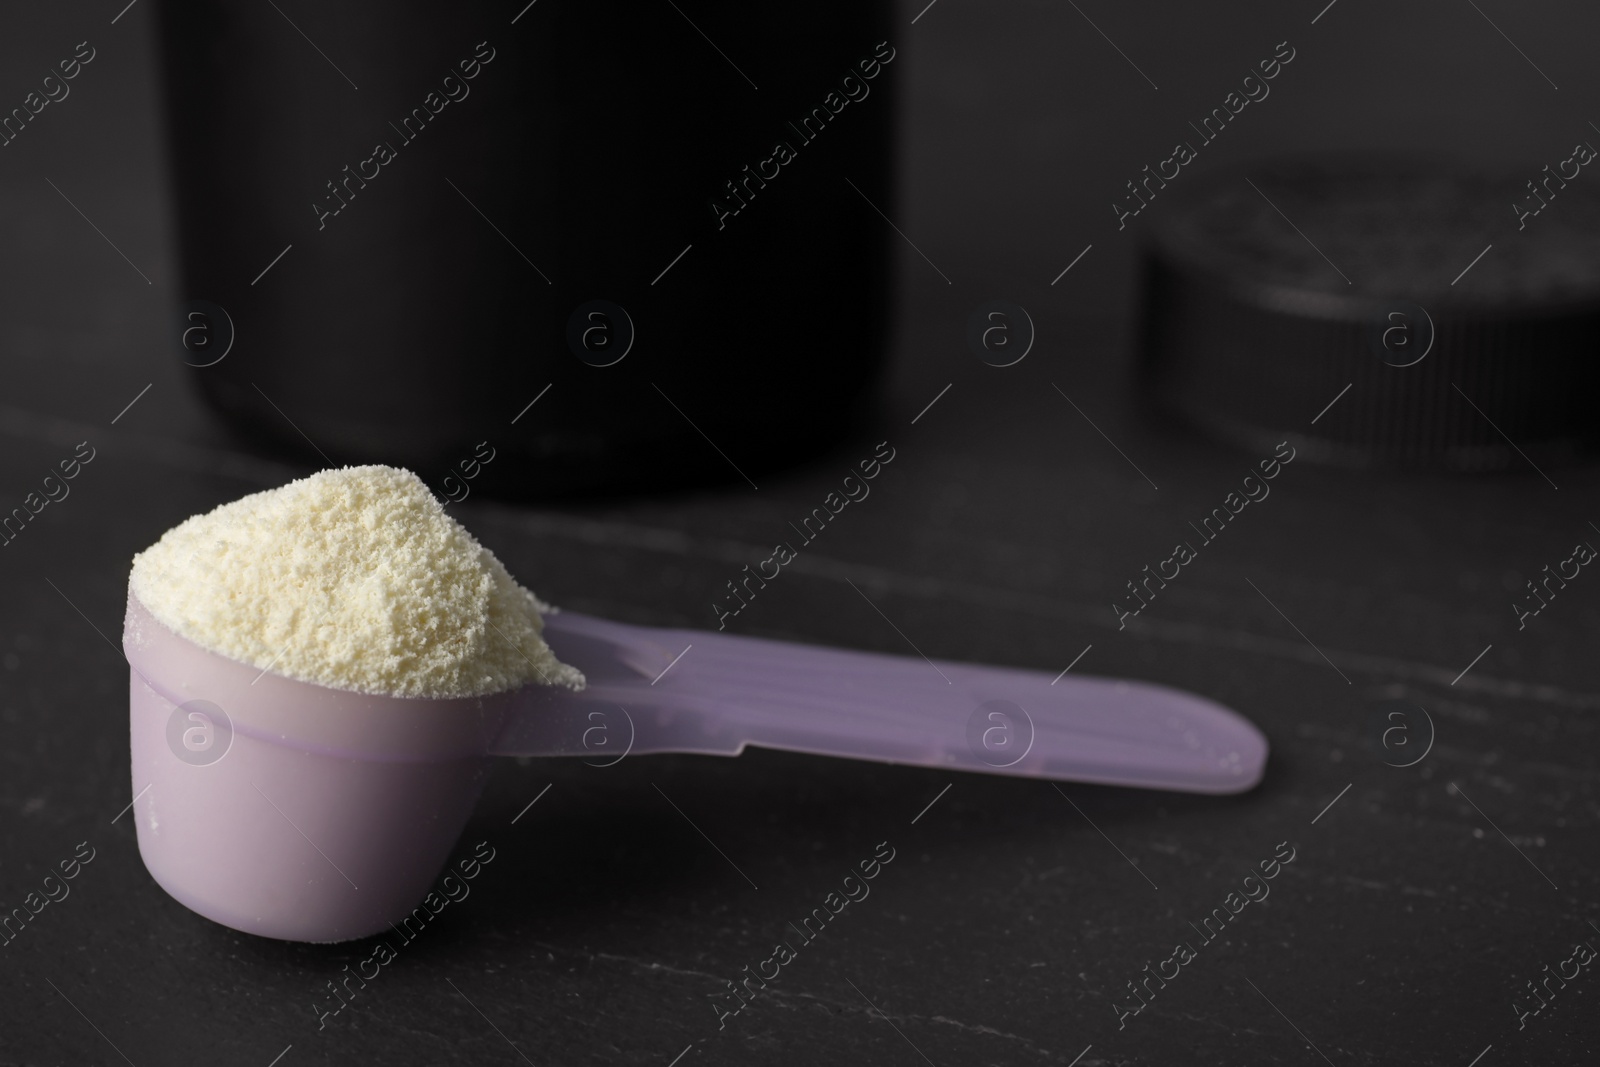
[1014,915]
[1010,921]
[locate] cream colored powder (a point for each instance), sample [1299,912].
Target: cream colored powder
[353,579]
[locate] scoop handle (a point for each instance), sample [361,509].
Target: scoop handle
[659,690]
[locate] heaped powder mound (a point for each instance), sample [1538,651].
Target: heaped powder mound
[353,579]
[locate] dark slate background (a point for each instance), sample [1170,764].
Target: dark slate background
[1007,925]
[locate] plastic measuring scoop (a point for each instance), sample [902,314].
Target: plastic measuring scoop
[292,810]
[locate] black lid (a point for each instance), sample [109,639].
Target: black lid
[1453,329]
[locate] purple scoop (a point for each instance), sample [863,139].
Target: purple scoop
[292,810]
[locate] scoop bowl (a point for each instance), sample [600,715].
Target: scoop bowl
[288,809]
